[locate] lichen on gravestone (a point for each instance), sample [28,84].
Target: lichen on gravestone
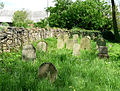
[76,49]
[28,52]
[85,43]
[42,46]
[47,70]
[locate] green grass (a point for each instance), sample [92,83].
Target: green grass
[84,73]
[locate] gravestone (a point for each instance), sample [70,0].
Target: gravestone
[103,52]
[88,37]
[75,38]
[28,52]
[100,42]
[42,46]
[69,44]
[60,36]
[85,43]
[66,37]
[60,41]
[76,49]
[47,70]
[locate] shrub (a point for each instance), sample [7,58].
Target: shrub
[43,23]
[20,19]
[88,14]
[5,24]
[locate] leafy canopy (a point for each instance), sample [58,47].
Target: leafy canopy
[20,19]
[88,14]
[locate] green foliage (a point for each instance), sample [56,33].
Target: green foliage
[1,5]
[88,14]
[114,50]
[20,19]
[118,20]
[42,24]
[83,73]
[5,24]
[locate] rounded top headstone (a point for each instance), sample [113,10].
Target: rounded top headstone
[48,70]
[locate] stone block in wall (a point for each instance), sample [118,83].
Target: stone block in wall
[3,36]
[6,48]
[0,48]
[9,42]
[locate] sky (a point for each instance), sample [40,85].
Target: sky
[33,5]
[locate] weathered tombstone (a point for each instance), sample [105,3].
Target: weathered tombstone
[100,42]
[85,43]
[60,36]
[47,70]
[28,52]
[88,37]
[75,38]
[66,37]
[42,46]
[76,49]
[60,41]
[69,44]
[103,52]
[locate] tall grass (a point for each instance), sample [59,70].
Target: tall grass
[84,73]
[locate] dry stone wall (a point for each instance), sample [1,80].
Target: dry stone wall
[13,37]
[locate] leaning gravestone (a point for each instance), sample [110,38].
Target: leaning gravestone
[85,43]
[69,44]
[42,46]
[28,52]
[76,49]
[75,38]
[47,70]
[103,52]
[100,42]
[60,41]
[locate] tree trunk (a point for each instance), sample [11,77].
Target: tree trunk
[115,22]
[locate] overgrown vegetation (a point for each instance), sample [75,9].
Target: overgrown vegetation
[88,14]
[84,73]
[20,19]
[42,24]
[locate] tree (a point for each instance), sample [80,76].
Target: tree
[88,14]
[20,18]
[115,22]
[1,5]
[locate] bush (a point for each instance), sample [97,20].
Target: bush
[43,23]
[88,14]
[20,19]
[5,24]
